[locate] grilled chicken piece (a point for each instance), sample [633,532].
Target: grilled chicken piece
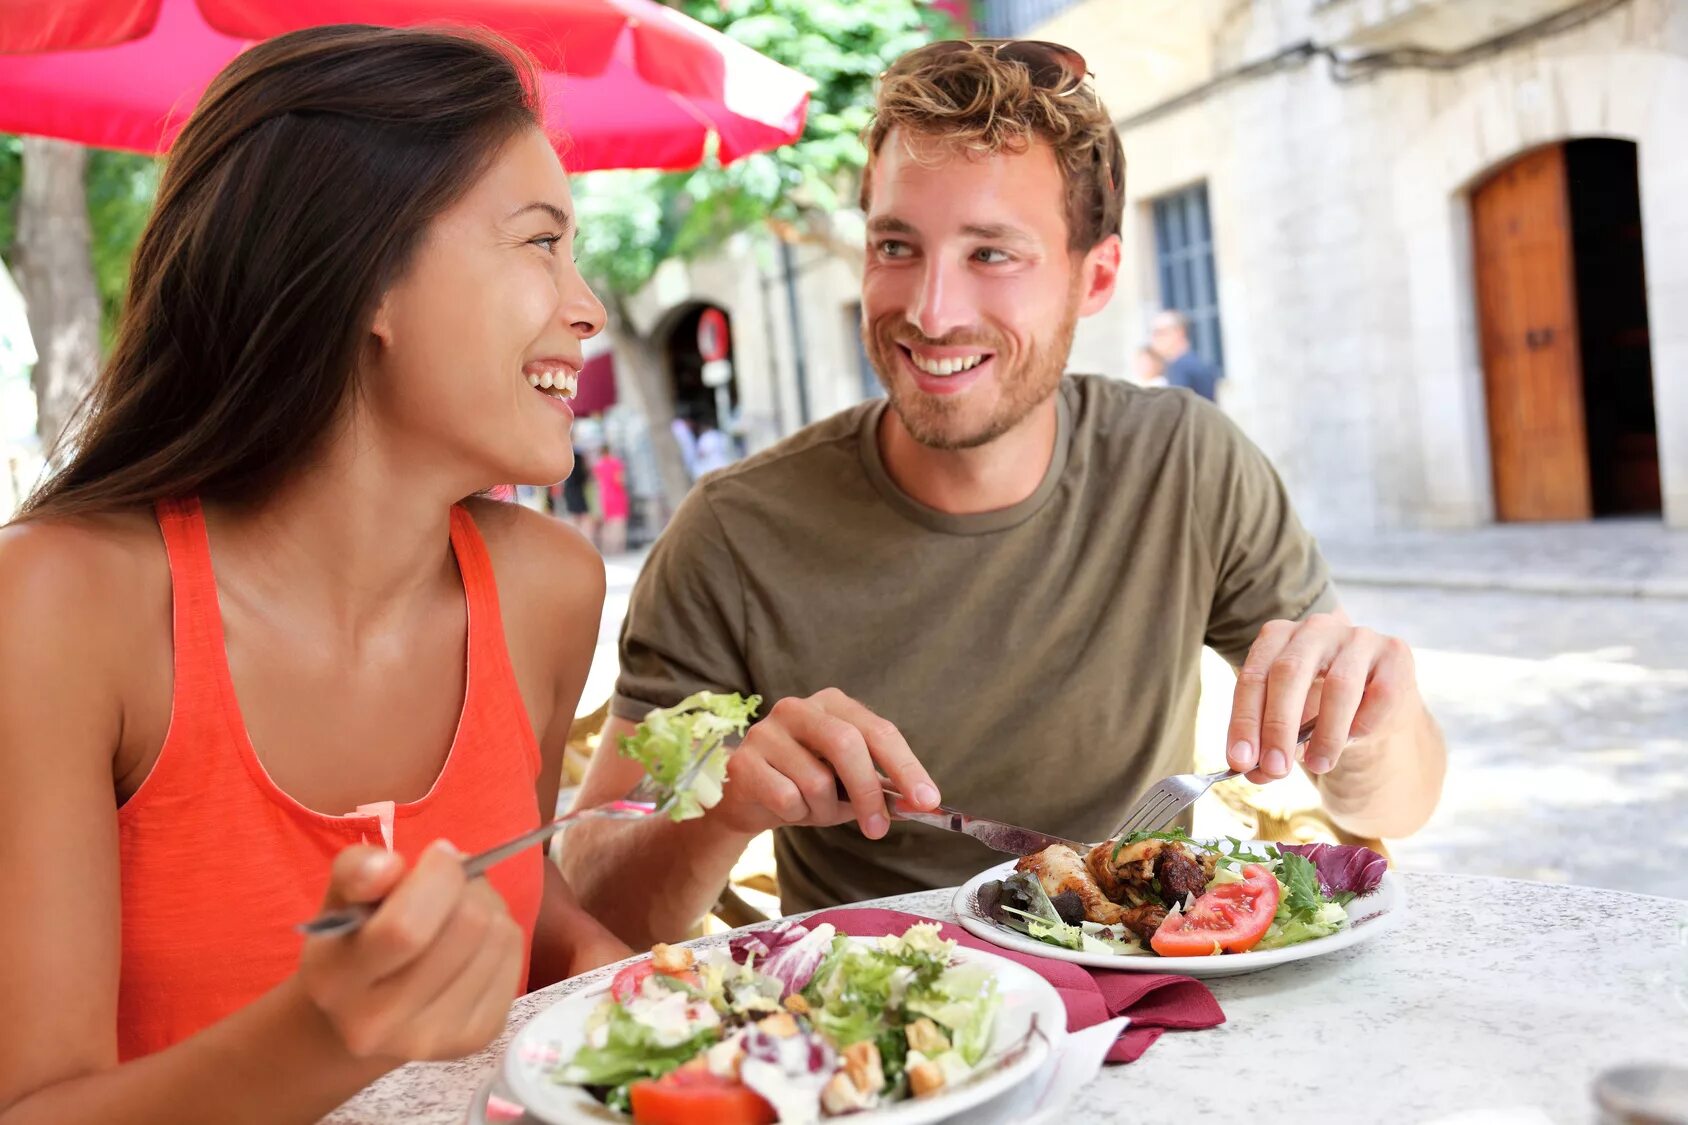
[1125,879]
[1179,875]
[1130,878]
[1060,869]
[1143,920]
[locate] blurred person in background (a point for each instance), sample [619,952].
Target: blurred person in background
[1169,336]
[1147,367]
[715,450]
[571,496]
[609,473]
[686,438]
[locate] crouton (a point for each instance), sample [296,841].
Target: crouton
[925,1078]
[923,1036]
[671,960]
[840,1095]
[862,1064]
[780,1025]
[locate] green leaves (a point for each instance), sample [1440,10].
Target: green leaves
[646,218]
[1301,886]
[671,739]
[120,187]
[1234,855]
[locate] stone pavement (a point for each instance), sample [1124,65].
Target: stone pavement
[1616,557]
[1567,728]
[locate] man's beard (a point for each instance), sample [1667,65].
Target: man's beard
[934,420]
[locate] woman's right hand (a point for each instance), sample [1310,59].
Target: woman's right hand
[431,974]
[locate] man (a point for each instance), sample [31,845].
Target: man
[1170,337]
[714,448]
[997,582]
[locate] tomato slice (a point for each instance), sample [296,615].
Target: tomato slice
[693,1095]
[625,984]
[1232,918]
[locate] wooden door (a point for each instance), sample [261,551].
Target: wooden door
[1527,318]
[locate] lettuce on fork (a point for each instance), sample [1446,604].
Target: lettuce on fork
[670,741]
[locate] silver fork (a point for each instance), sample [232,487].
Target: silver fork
[1171,796]
[647,798]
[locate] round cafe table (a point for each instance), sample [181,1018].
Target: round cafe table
[1494,1001]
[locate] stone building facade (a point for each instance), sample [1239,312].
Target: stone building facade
[1341,146]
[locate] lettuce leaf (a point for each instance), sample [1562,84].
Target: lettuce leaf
[670,740]
[631,1051]
[1342,868]
[964,1000]
[1291,929]
[1300,880]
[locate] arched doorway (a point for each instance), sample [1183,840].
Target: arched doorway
[698,347]
[1562,321]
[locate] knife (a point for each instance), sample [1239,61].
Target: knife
[994,834]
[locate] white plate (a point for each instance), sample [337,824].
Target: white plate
[558,1032]
[1367,918]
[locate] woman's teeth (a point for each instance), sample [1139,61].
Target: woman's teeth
[951,366]
[560,381]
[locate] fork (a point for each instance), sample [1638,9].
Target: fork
[647,798]
[1171,796]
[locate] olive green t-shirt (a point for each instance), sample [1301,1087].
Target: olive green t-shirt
[1041,660]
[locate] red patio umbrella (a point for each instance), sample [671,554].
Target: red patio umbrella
[644,86]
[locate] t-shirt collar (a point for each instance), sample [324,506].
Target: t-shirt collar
[971,523]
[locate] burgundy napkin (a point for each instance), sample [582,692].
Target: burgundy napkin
[1153,1001]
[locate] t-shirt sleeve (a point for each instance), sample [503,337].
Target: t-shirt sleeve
[684,627]
[1267,566]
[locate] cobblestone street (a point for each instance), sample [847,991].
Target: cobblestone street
[1567,721]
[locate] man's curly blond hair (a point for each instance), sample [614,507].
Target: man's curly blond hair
[975,102]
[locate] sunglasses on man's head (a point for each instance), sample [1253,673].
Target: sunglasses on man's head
[1053,67]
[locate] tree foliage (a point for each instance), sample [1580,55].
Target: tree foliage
[121,187]
[631,222]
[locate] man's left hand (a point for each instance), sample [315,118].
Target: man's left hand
[1360,684]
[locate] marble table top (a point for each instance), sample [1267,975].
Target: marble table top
[1494,999]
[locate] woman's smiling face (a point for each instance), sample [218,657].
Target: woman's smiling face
[479,341]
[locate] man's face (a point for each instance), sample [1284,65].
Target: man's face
[970,295]
[1168,337]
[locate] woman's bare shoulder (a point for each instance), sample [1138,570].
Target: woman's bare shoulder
[103,571]
[547,571]
[532,544]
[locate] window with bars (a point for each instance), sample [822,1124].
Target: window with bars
[1184,264]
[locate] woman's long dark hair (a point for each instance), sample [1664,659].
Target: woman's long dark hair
[293,198]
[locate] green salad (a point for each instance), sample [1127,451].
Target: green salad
[791,1024]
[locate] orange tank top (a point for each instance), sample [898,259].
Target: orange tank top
[218,863]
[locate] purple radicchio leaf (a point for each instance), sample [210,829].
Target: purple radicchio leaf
[1342,867]
[790,953]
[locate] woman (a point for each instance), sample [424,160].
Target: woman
[610,475]
[257,652]
[571,494]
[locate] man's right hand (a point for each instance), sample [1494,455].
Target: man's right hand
[788,769]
